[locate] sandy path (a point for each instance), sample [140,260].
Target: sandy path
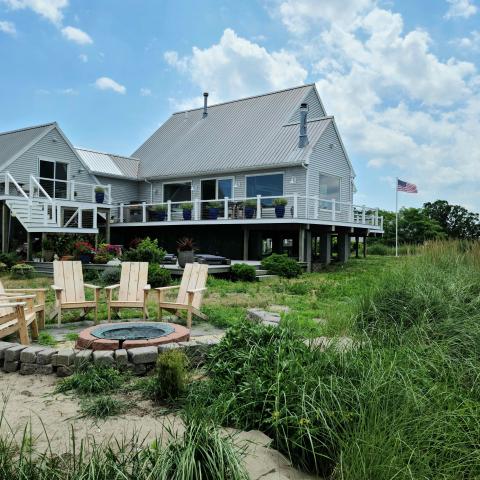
[30,402]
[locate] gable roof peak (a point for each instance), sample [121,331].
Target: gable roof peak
[31,127]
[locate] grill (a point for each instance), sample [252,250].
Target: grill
[135,331]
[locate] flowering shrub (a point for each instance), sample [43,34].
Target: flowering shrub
[83,248]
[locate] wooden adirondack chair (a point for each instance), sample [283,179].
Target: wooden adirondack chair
[17,317]
[132,290]
[70,289]
[190,294]
[38,296]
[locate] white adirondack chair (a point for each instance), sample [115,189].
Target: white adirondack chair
[70,289]
[132,290]
[190,293]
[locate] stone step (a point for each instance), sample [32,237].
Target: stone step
[262,278]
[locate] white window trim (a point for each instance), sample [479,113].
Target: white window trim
[262,175]
[177,181]
[216,185]
[43,158]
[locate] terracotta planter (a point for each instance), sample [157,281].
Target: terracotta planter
[67,258]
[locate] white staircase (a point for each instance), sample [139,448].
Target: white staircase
[32,213]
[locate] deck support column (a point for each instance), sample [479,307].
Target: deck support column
[343,243]
[308,249]
[325,248]
[357,240]
[5,214]
[29,246]
[107,226]
[301,244]
[365,246]
[246,238]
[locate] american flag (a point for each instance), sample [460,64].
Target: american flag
[406,187]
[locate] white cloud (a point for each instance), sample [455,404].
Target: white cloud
[49,9]
[471,42]
[8,27]
[68,91]
[76,35]
[236,67]
[145,92]
[83,57]
[106,83]
[460,8]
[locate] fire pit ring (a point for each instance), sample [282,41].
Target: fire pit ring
[112,336]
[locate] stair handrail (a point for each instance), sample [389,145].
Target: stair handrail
[9,178]
[40,188]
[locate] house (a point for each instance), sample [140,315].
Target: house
[232,162]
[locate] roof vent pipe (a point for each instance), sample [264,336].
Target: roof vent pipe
[303,139]
[205,113]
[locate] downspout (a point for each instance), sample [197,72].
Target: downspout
[151,189]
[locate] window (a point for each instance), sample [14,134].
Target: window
[177,192]
[53,177]
[270,185]
[217,189]
[329,190]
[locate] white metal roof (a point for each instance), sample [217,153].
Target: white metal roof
[108,164]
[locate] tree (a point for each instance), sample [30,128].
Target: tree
[455,220]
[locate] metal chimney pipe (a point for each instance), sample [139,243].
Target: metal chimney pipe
[205,112]
[303,138]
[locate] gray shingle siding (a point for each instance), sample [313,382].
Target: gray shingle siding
[123,191]
[28,162]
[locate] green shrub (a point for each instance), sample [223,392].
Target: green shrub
[91,275]
[3,267]
[379,249]
[102,258]
[46,339]
[170,377]
[279,202]
[110,276]
[146,251]
[102,407]
[282,265]
[22,270]
[243,272]
[9,259]
[158,276]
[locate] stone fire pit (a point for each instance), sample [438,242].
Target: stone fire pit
[125,335]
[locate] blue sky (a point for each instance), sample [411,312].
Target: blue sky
[401,77]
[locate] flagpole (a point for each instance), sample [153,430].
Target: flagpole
[396,216]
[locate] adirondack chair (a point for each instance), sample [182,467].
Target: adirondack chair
[190,294]
[38,296]
[70,289]
[17,316]
[132,290]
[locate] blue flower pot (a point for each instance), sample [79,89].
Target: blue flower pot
[99,197]
[249,212]
[212,213]
[187,214]
[159,216]
[85,258]
[279,211]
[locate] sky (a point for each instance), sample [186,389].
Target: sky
[401,77]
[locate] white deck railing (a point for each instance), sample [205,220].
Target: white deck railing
[251,208]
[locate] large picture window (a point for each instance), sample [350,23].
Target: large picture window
[217,189]
[53,177]
[270,185]
[177,192]
[329,190]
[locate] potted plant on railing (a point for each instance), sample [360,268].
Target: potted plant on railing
[187,208]
[84,251]
[212,209]
[159,212]
[280,204]
[249,208]
[48,249]
[185,248]
[99,194]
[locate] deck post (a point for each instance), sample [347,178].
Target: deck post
[29,246]
[5,214]
[259,207]
[308,249]
[95,219]
[80,217]
[343,243]
[107,227]
[225,208]
[246,237]
[357,240]
[301,244]
[315,208]
[121,213]
[365,246]
[144,212]
[295,205]
[169,210]
[325,248]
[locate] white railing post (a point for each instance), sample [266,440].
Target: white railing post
[29,209]
[315,208]
[197,209]
[59,215]
[376,217]
[295,205]
[225,208]
[72,190]
[364,209]
[31,186]
[259,206]
[80,218]
[169,210]
[109,189]
[7,184]
[93,193]
[334,210]
[45,213]
[95,217]
[121,213]
[144,212]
